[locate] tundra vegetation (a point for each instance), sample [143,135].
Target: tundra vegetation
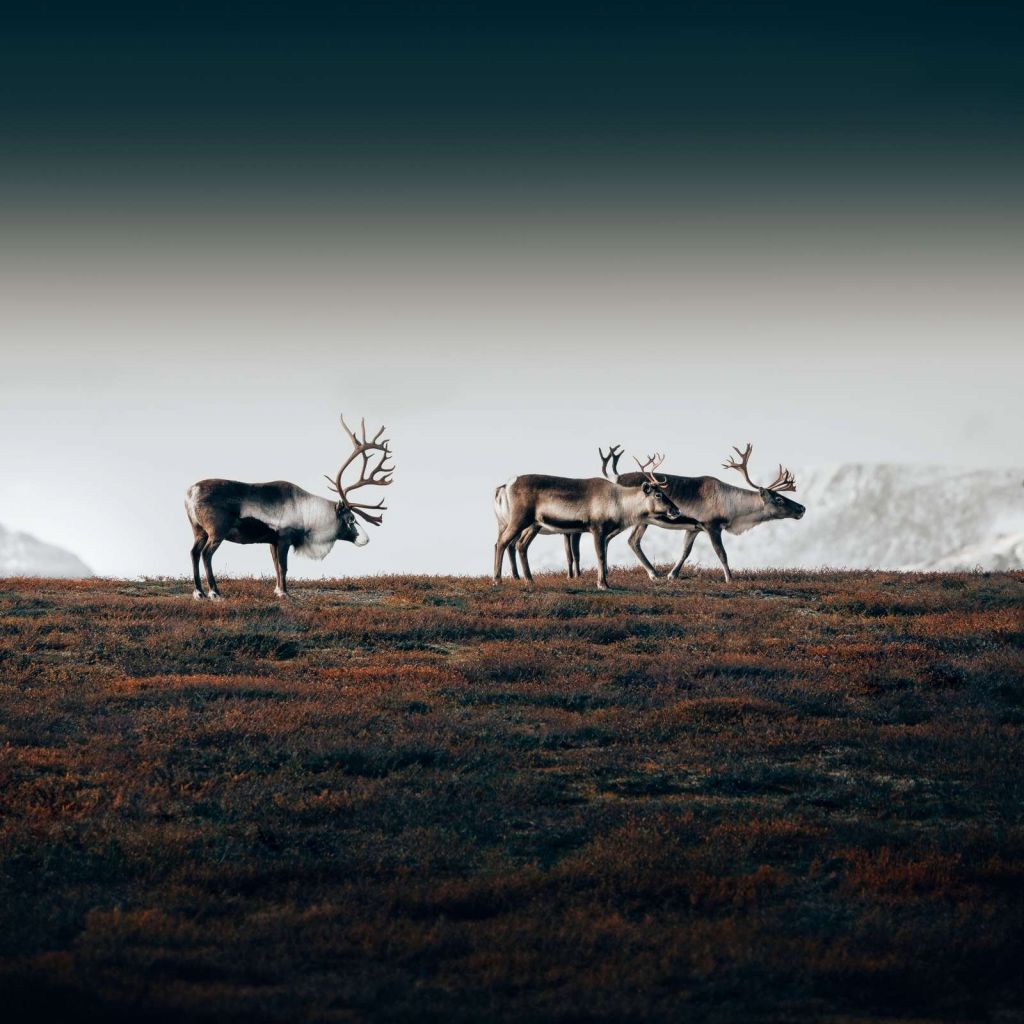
[795,797]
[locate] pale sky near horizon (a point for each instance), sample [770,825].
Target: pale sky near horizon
[133,367]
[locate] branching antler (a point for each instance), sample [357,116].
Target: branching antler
[648,468]
[783,482]
[741,466]
[379,474]
[614,454]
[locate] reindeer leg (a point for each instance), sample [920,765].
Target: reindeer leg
[575,540]
[508,534]
[284,568]
[601,550]
[197,547]
[567,541]
[634,542]
[277,567]
[715,534]
[279,552]
[208,550]
[691,536]
[512,561]
[526,538]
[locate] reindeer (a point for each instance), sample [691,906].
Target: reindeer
[598,506]
[283,515]
[572,540]
[707,505]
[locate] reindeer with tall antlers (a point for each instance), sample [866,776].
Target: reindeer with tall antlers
[708,505]
[596,506]
[283,515]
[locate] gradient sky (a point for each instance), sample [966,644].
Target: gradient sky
[510,233]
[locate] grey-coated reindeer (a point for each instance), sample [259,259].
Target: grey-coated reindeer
[603,508]
[572,540]
[709,505]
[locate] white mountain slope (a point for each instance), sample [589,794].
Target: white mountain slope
[998,555]
[21,554]
[869,517]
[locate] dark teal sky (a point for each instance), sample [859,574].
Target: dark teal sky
[389,96]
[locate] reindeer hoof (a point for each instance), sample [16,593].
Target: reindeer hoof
[282,594]
[198,595]
[214,596]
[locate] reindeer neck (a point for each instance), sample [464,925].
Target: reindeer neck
[744,509]
[633,503]
[746,502]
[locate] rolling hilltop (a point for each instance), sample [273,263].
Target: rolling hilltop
[794,798]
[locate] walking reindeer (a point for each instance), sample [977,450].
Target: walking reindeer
[572,540]
[603,508]
[283,515]
[708,505]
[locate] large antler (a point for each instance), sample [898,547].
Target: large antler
[783,482]
[741,466]
[648,468]
[614,454]
[379,475]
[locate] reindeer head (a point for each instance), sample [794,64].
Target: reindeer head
[379,475]
[658,502]
[775,505]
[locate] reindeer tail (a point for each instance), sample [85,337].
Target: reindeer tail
[501,504]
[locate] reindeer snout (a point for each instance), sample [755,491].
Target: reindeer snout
[800,510]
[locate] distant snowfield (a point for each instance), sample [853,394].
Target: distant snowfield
[21,554]
[867,517]
[998,554]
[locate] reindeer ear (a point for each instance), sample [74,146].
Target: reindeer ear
[647,488]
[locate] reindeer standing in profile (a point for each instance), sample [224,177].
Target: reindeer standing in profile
[285,516]
[572,540]
[708,505]
[596,506]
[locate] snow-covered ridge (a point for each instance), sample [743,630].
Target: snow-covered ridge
[870,517]
[21,554]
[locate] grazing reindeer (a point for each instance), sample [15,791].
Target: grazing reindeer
[572,540]
[710,506]
[565,505]
[283,515]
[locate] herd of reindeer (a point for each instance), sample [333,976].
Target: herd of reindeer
[286,517]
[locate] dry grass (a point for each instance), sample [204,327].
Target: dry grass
[410,799]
